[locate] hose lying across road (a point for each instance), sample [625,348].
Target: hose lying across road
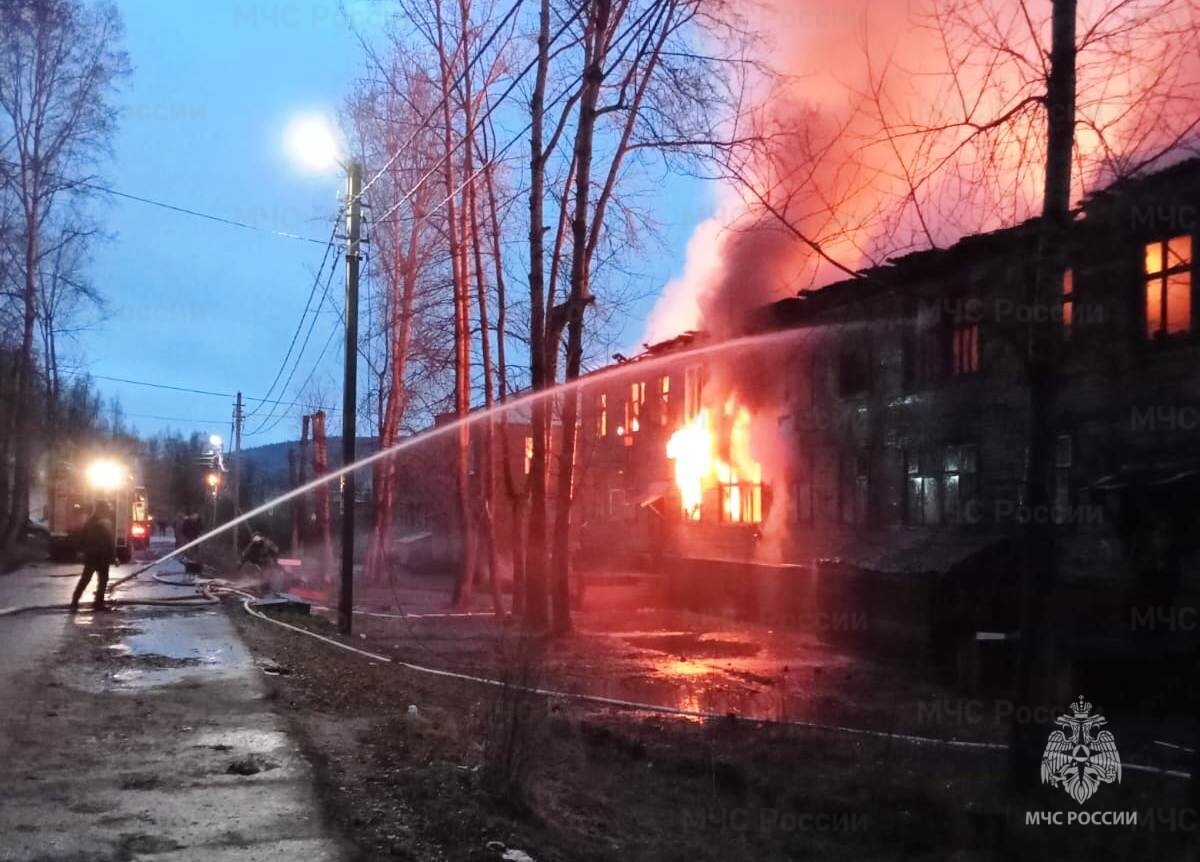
[248,604]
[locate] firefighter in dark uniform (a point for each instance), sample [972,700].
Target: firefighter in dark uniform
[99,546]
[260,552]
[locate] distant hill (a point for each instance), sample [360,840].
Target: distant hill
[267,466]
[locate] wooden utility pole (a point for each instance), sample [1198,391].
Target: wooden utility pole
[350,392]
[320,469]
[294,545]
[237,467]
[1038,541]
[300,511]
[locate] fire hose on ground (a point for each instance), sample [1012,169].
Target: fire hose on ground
[208,591]
[199,600]
[618,703]
[196,601]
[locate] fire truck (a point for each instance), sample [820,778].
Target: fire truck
[74,490]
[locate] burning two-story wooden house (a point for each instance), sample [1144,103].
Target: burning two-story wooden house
[858,460]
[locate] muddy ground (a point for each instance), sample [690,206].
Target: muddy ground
[607,784]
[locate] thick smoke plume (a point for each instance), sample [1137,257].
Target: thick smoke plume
[900,125]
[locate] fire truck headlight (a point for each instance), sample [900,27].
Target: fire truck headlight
[105,474]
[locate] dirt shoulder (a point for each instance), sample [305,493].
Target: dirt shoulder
[619,785]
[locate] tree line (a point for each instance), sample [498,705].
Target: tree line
[508,148]
[60,65]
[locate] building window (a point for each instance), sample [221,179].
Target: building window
[799,383]
[825,487]
[960,471]
[693,391]
[664,400]
[741,502]
[854,489]
[1068,300]
[964,356]
[1063,455]
[854,371]
[941,485]
[616,504]
[633,407]
[1168,286]
[923,501]
[925,347]
[800,504]
[602,415]
[944,341]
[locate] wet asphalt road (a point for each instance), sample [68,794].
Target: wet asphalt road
[142,733]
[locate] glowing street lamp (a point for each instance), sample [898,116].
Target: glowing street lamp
[313,143]
[213,480]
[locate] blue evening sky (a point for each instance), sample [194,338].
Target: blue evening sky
[202,305]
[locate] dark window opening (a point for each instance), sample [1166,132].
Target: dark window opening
[855,489]
[854,372]
[1063,456]
[800,501]
[926,347]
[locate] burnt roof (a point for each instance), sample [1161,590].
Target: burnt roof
[931,263]
[684,339]
[875,281]
[1169,179]
[968,249]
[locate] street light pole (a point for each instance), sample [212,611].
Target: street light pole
[349,391]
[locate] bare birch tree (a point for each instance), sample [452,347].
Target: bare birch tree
[386,116]
[665,96]
[59,64]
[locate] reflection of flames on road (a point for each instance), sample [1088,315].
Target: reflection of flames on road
[681,667]
[713,456]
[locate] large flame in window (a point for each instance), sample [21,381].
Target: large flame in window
[713,465]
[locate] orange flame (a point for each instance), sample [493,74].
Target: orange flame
[700,467]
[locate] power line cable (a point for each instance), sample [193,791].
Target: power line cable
[328,341]
[457,82]
[462,139]
[173,418]
[307,305]
[188,389]
[492,106]
[176,208]
[492,160]
[300,354]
